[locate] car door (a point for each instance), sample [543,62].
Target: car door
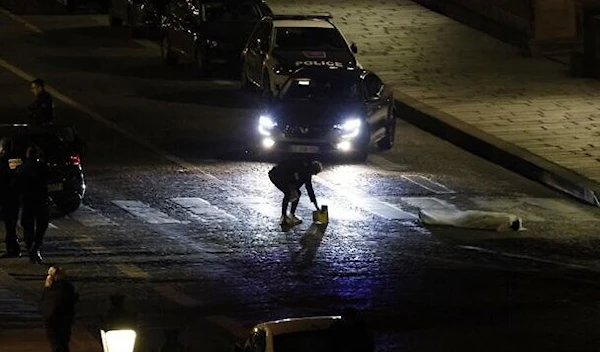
[377,103]
[258,47]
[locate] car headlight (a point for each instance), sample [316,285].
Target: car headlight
[349,128]
[265,125]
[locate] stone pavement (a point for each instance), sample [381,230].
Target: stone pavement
[21,328]
[527,114]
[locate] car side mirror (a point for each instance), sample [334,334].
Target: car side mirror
[354,48]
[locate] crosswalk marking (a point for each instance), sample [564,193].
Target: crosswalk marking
[203,210]
[428,203]
[145,212]
[90,217]
[428,184]
[176,296]
[132,271]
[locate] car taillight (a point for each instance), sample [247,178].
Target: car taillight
[75,159]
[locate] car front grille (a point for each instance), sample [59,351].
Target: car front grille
[292,131]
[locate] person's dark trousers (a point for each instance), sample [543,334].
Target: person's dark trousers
[10,214]
[59,335]
[34,219]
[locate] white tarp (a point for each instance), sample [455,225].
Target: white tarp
[472,219]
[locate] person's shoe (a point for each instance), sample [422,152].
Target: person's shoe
[36,257]
[295,220]
[11,254]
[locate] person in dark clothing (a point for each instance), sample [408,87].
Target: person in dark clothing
[9,200]
[58,308]
[32,185]
[289,176]
[351,333]
[41,111]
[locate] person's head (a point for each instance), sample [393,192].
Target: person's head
[37,86]
[316,167]
[32,152]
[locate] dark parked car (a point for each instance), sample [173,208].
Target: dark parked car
[207,32]
[61,148]
[142,16]
[336,111]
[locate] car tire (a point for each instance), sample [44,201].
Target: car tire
[387,142]
[68,207]
[167,55]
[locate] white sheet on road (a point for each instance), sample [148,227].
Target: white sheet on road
[470,219]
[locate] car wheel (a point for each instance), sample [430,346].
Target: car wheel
[68,207]
[387,142]
[166,54]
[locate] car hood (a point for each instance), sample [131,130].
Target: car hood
[311,113]
[295,59]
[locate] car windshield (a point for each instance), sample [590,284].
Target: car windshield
[302,38]
[337,88]
[313,341]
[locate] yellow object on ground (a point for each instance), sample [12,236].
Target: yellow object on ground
[321,216]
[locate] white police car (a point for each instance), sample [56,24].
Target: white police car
[307,334]
[281,44]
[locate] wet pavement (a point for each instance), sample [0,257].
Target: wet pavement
[177,219]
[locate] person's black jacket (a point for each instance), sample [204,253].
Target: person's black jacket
[7,178]
[41,111]
[295,173]
[58,302]
[31,181]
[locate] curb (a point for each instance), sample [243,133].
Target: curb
[500,152]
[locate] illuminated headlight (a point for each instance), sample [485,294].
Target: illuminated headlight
[265,125]
[350,128]
[344,146]
[268,143]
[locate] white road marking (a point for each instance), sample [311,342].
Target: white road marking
[52,226]
[176,296]
[384,163]
[132,270]
[90,217]
[203,210]
[428,203]
[428,184]
[145,212]
[21,21]
[231,325]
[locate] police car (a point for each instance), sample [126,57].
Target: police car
[335,111]
[307,334]
[281,44]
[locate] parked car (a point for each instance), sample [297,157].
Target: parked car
[205,32]
[281,44]
[142,16]
[309,334]
[324,111]
[61,148]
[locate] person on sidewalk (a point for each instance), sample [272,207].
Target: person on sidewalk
[9,201]
[58,308]
[41,111]
[289,176]
[32,185]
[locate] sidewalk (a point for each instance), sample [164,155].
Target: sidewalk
[526,114]
[21,327]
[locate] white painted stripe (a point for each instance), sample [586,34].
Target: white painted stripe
[132,271]
[203,210]
[428,184]
[231,325]
[384,163]
[372,205]
[20,20]
[147,44]
[90,217]
[52,226]
[427,203]
[145,212]
[176,296]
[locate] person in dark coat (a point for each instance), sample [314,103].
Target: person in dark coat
[41,111]
[289,176]
[58,308]
[351,333]
[32,184]
[9,200]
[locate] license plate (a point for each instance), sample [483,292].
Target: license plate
[53,187]
[304,149]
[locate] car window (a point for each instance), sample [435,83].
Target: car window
[230,11]
[373,85]
[262,32]
[302,38]
[305,88]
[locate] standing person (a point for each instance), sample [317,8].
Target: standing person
[9,201]
[41,111]
[288,176]
[32,184]
[58,308]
